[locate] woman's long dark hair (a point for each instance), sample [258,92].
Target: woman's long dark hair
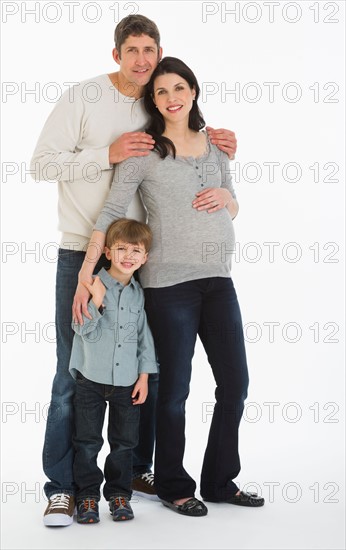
[156,127]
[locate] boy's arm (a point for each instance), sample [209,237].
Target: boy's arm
[146,359]
[89,325]
[97,291]
[140,390]
[146,353]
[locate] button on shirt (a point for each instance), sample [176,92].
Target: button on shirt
[117,346]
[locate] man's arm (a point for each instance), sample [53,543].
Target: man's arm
[56,156]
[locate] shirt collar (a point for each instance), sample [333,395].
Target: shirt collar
[110,282]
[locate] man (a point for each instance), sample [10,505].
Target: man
[96,124]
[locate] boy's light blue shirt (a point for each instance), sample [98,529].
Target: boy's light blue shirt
[117,346]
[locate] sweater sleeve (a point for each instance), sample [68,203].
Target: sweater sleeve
[226,178]
[57,155]
[128,176]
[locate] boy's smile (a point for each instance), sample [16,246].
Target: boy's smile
[125,259]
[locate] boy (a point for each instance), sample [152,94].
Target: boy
[112,356]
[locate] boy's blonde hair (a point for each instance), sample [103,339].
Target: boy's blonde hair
[129,231]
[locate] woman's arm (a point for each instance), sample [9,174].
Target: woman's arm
[233,207]
[128,175]
[213,199]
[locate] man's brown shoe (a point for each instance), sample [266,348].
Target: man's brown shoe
[143,485]
[59,511]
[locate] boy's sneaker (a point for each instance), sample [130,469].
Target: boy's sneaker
[120,508]
[144,485]
[88,511]
[59,511]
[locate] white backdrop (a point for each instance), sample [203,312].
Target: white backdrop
[273,73]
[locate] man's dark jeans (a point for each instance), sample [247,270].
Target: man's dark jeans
[123,421]
[176,314]
[58,452]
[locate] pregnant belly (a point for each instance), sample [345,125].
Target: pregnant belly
[199,239]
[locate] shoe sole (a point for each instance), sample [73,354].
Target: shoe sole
[123,518]
[88,521]
[57,520]
[245,504]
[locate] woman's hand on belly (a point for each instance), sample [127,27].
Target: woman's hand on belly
[212,199]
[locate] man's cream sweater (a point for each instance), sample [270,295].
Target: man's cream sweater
[73,149]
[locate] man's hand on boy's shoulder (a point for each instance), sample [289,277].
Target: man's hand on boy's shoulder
[224,139]
[140,390]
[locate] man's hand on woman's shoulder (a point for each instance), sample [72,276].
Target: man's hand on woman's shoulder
[225,140]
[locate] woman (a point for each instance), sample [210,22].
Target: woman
[187,191]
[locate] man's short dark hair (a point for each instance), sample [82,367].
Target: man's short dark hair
[135,25]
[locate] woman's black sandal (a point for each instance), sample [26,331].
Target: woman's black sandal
[192,507]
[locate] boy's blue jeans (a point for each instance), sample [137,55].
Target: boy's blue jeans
[123,421]
[58,454]
[177,314]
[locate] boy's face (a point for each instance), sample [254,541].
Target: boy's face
[138,58]
[126,258]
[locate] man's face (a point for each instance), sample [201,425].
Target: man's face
[138,58]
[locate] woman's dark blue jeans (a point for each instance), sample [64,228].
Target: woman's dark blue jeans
[123,421]
[177,314]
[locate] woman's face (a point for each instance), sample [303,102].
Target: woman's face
[173,97]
